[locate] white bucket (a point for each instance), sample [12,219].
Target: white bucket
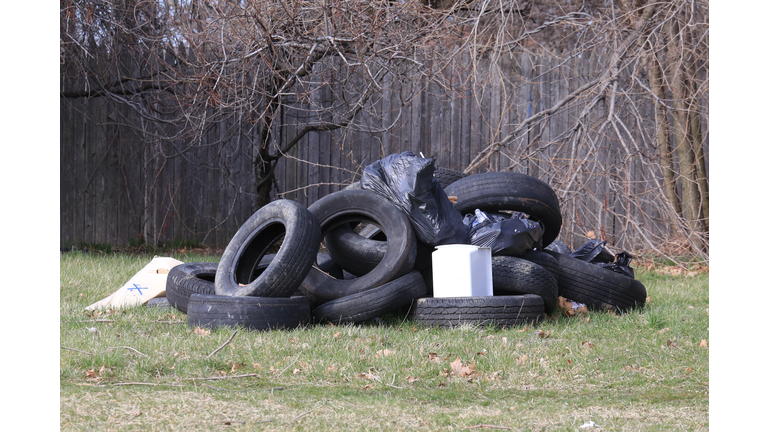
[460,270]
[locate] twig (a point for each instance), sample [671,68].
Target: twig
[223,345]
[72,349]
[221,388]
[129,348]
[479,426]
[146,384]
[289,365]
[99,320]
[302,415]
[224,377]
[393,383]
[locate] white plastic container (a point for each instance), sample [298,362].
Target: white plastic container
[461,270]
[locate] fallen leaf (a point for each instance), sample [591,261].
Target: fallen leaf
[368,387]
[336,335]
[521,360]
[432,357]
[201,332]
[384,353]
[703,343]
[543,334]
[587,345]
[411,379]
[688,370]
[257,366]
[297,370]
[462,370]
[671,344]
[663,330]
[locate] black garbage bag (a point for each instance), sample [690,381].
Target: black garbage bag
[593,251]
[408,181]
[511,236]
[621,265]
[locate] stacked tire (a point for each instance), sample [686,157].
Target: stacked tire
[272,274]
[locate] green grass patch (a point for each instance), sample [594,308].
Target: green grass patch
[144,368]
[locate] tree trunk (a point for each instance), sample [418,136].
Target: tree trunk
[685,154]
[662,135]
[696,135]
[262,165]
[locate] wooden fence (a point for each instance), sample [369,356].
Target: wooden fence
[119,185]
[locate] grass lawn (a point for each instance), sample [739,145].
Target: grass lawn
[145,369]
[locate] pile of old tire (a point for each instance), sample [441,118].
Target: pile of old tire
[271,275]
[577,280]
[524,291]
[353,255]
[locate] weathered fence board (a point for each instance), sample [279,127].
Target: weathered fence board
[117,185]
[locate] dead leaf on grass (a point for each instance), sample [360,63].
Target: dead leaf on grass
[384,353]
[368,387]
[542,334]
[411,379]
[703,343]
[462,370]
[433,357]
[671,343]
[521,360]
[201,332]
[336,335]
[587,345]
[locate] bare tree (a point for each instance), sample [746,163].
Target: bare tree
[182,67]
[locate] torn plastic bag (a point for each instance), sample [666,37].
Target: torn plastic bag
[512,236]
[593,251]
[621,265]
[407,180]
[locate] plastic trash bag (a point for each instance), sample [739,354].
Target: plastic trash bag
[593,251]
[407,180]
[512,236]
[621,265]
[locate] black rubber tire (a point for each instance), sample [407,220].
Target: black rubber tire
[159,302]
[359,255]
[343,207]
[300,232]
[545,260]
[494,191]
[254,313]
[187,279]
[597,287]
[372,303]
[512,275]
[559,246]
[504,311]
[352,252]
[446,176]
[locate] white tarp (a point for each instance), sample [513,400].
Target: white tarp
[147,284]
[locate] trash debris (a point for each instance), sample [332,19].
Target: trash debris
[570,307]
[407,180]
[589,424]
[621,265]
[593,251]
[512,236]
[147,284]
